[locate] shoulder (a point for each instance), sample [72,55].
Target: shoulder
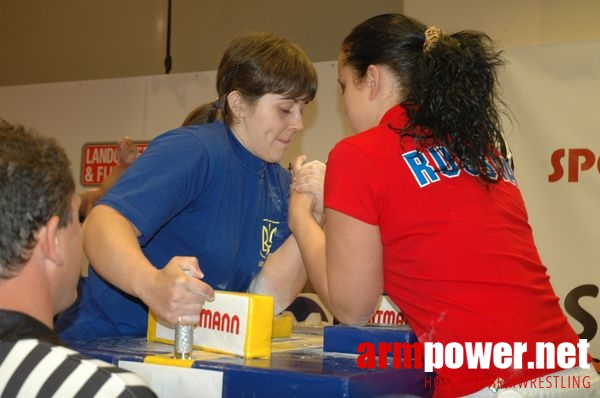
[372,136]
[385,133]
[356,146]
[371,143]
[188,148]
[191,137]
[61,362]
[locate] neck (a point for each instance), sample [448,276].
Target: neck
[28,294]
[238,137]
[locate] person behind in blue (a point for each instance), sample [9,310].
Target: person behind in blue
[208,198]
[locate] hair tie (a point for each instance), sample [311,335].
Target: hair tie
[216,104]
[432,35]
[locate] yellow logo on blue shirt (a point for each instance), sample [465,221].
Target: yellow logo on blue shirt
[269,228]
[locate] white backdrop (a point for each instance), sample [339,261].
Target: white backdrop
[552,91]
[143,107]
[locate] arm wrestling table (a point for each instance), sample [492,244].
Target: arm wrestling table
[298,367]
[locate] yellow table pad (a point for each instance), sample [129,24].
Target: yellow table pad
[233,323]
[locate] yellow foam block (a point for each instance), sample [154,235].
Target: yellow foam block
[234,323]
[167,360]
[282,325]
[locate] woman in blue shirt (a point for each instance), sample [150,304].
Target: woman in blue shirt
[209,198]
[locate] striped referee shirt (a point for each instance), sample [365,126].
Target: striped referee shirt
[34,364]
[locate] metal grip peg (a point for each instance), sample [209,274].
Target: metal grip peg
[184,337]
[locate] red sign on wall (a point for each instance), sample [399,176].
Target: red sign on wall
[98,159]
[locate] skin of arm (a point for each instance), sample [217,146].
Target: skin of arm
[354,266]
[110,242]
[89,198]
[344,260]
[283,276]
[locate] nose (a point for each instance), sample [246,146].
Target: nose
[298,123]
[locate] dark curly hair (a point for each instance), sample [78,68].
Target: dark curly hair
[449,90]
[36,183]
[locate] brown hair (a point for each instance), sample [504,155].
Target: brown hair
[256,64]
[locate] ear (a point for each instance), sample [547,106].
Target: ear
[373,80]
[49,241]
[236,104]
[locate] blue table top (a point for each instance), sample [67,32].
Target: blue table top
[298,367]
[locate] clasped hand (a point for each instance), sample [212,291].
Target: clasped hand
[307,187]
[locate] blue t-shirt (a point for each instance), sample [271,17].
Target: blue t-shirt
[196,191]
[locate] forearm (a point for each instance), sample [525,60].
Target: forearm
[354,267]
[126,154]
[116,173]
[111,245]
[88,200]
[311,241]
[283,276]
[346,275]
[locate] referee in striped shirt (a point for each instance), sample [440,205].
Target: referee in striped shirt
[40,257]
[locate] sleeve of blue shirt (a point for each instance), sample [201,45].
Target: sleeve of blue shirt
[159,184]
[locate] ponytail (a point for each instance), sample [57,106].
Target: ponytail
[206,113]
[453,96]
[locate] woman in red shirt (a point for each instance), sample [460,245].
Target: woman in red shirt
[422,204]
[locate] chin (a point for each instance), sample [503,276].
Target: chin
[275,158]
